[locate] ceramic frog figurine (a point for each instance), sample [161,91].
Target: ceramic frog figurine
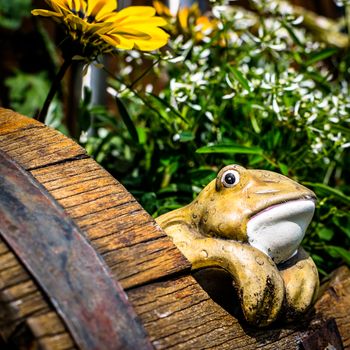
[251,223]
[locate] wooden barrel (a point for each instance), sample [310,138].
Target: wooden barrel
[108,272]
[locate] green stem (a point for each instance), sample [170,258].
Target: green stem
[143,74]
[53,89]
[137,94]
[347,18]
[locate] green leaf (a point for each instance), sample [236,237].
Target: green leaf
[321,55]
[202,176]
[339,252]
[292,34]
[284,168]
[325,234]
[168,105]
[127,120]
[186,136]
[340,128]
[229,149]
[239,77]
[342,224]
[255,123]
[329,191]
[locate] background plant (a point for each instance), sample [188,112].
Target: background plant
[264,86]
[257,89]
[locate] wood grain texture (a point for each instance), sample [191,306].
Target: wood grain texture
[99,204]
[9,125]
[134,247]
[175,310]
[20,296]
[178,314]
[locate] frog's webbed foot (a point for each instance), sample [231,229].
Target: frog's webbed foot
[301,283]
[257,279]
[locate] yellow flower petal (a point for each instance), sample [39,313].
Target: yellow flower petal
[183,17]
[99,8]
[98,27]
[161,9]
[158,39]
[131,34]
[59,4]
[45,13]
[139,20]
[149,45]
[77,6]
[119,42]
[142,11]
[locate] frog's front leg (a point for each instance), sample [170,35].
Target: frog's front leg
[257,279]
[301,282]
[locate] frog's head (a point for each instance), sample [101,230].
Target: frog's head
[265,209]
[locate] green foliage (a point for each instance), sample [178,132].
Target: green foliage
[27,93]
[12,12]
[257,90]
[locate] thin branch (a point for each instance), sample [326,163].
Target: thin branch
[53,89]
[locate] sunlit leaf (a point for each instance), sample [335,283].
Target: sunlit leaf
[329,191]
[186,136]
[319,56]
[229,149]
[325,233]
[239,77]
[339,252]
[284,168]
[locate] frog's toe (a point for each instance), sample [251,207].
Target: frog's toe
[301,284]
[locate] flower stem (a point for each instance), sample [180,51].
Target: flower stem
[347,19]
[53,89]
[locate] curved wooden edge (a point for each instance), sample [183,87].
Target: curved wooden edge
[176,312]
[132,245]
[71,273]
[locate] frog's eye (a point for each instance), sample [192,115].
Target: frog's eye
[230,178]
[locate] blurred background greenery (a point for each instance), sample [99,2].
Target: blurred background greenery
[264,84]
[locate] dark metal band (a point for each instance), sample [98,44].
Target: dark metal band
[74,277]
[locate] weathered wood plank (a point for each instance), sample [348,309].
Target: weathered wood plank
[117,225]
[178,314]
[100,205]
[56,342]
[23,305]
[18,291]
[9,125]
[132,244]
[13,276]
[65,265]
[46,324]
[37,147]
[143,263]
[50,332]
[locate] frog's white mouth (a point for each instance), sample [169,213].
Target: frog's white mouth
[278,230]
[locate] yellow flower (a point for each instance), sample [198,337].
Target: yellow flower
[189,20]
[161,9]
[98,27]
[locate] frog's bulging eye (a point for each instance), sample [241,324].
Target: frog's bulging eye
[230,178]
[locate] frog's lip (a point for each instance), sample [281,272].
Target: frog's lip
[310,197]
